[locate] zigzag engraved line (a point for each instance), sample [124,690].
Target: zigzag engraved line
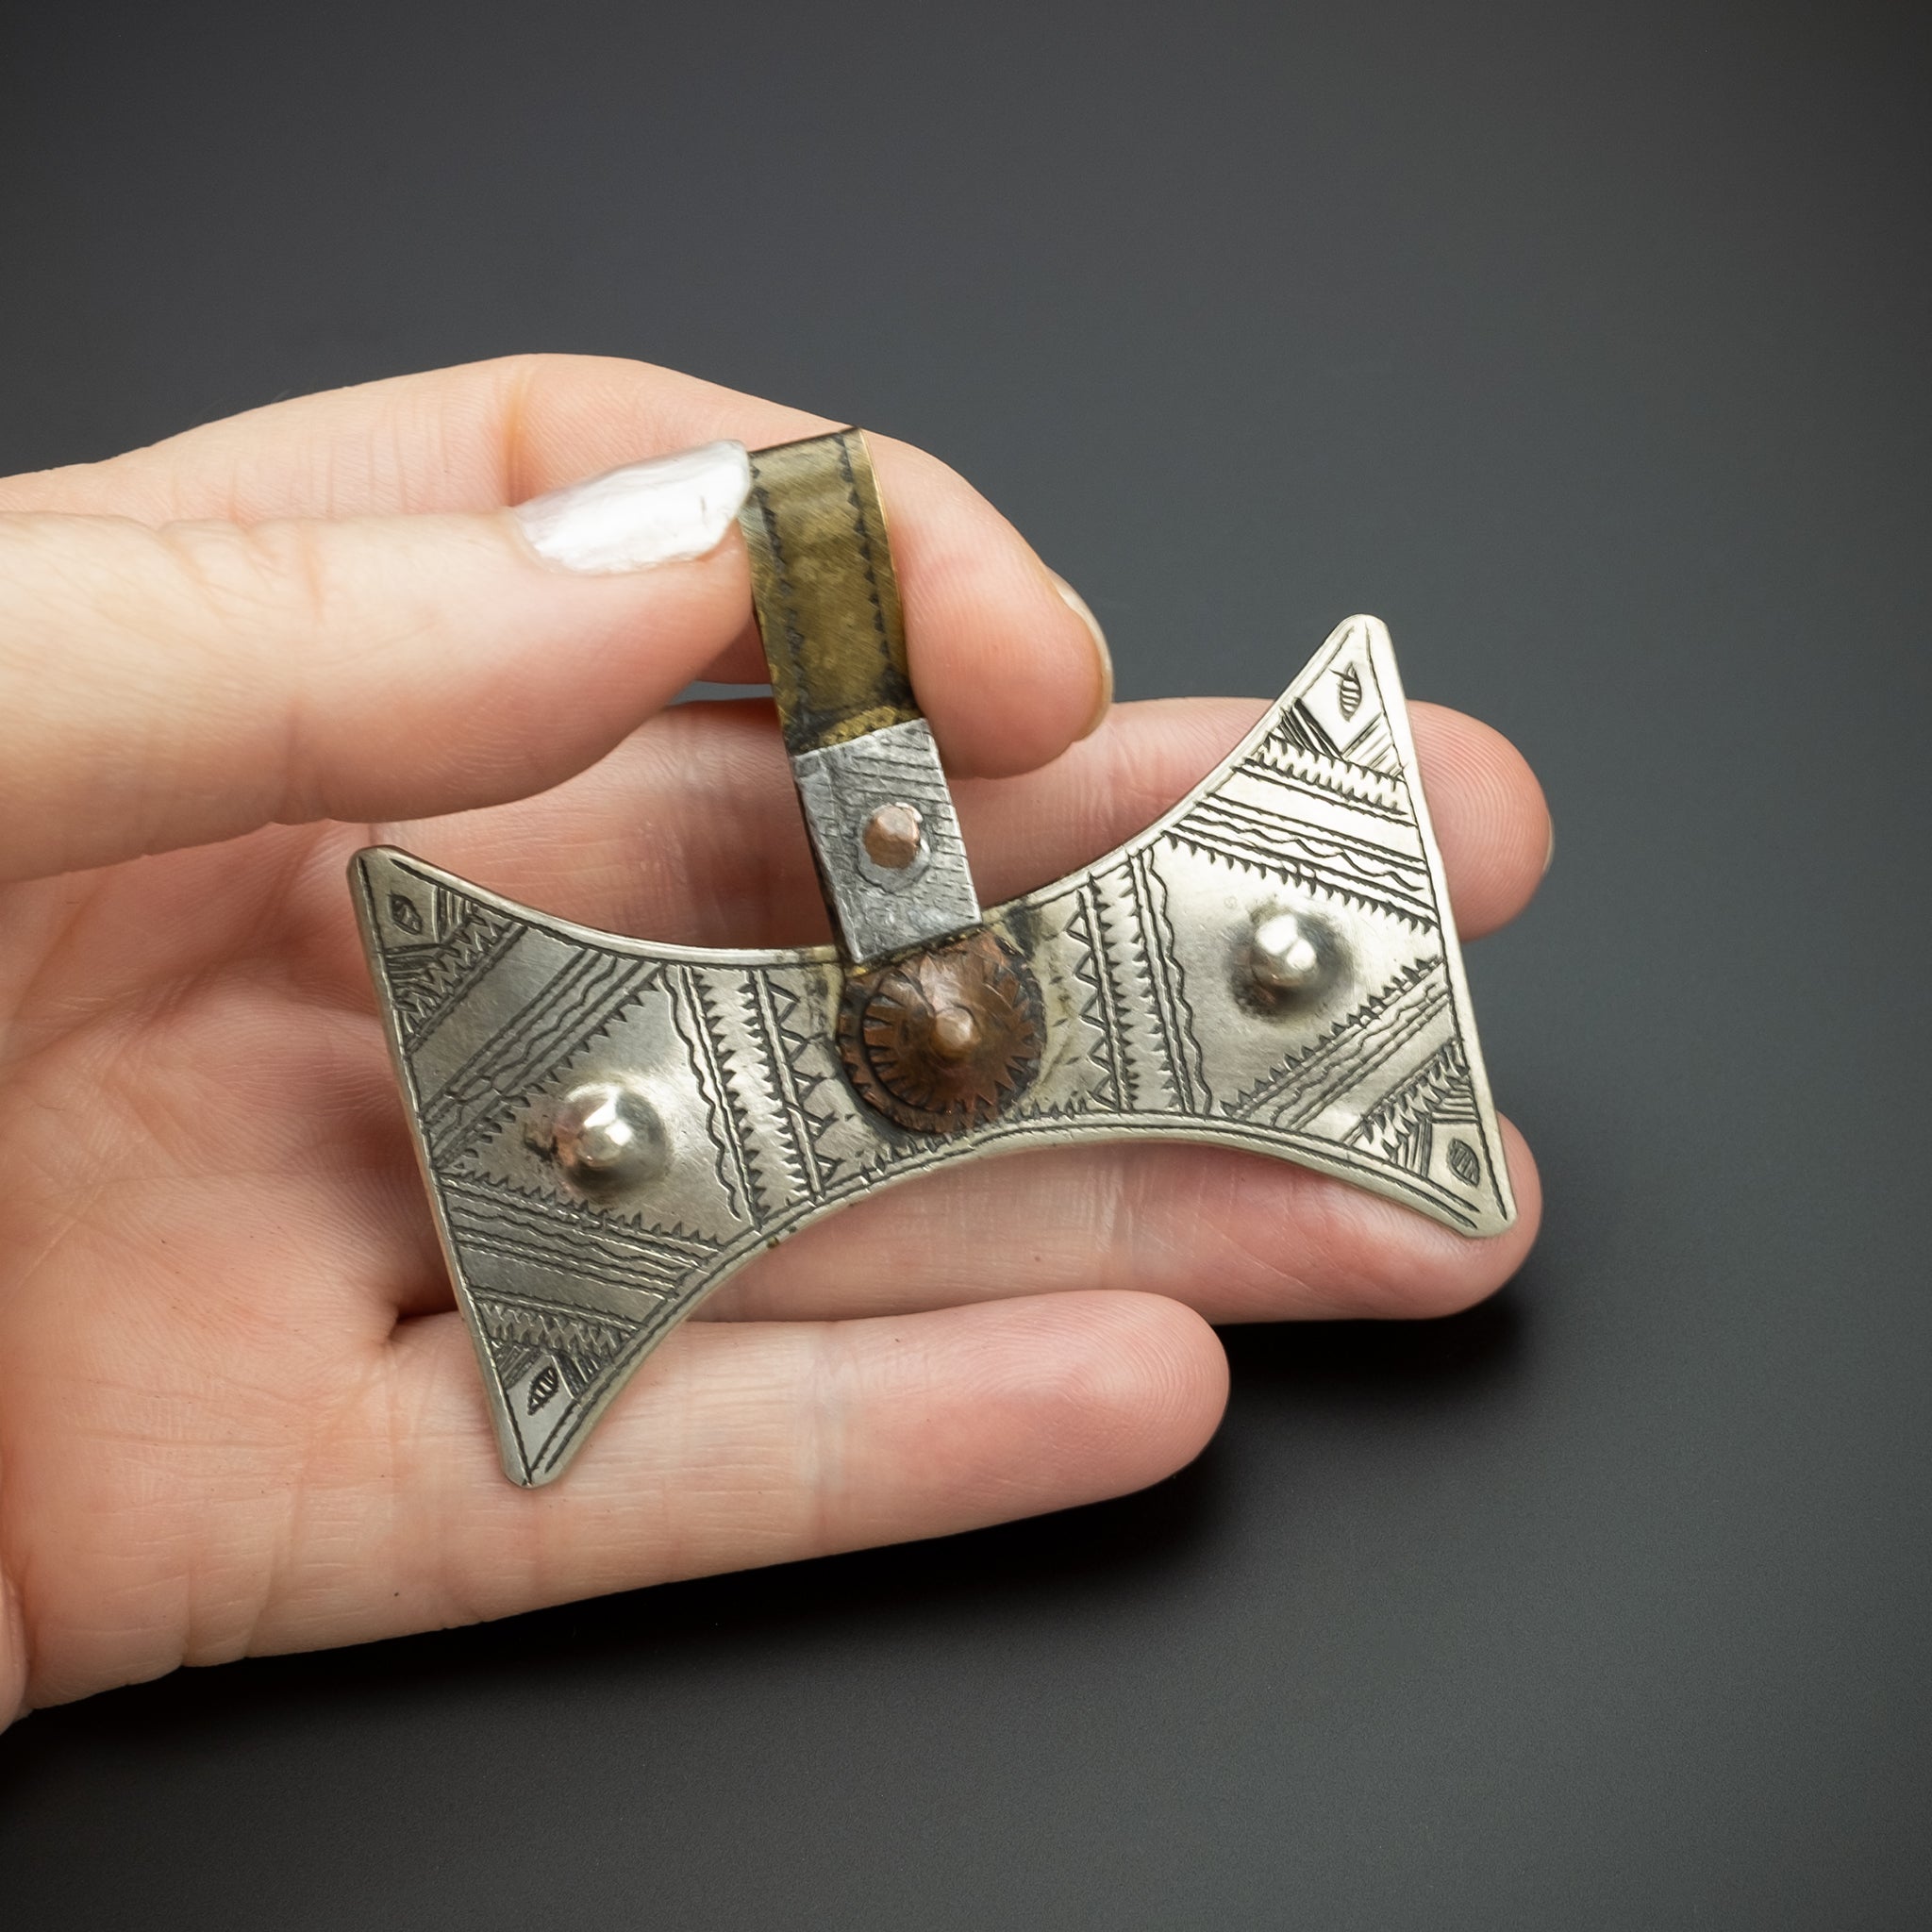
[558,1444]
[509,1037]
[1393,1118]
[557,1022]
[804,1143]
[483,1226]
[730,1165]
[1375,865]
[796,1047]
[559,1330]
[1281,761]
[1100,1005]
[1173,1014]
[485,940]
[1273,866]
[566,1330]
[577,1266]
[1372,749]
[572,1222]
[745,1137]
[1351,1070]
[1163,1125]
[1402,777]
[496,946]
[1257,772]
[1123,958]
[1451,1207]
[1319,1061]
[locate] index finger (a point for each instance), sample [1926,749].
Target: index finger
[1008,670]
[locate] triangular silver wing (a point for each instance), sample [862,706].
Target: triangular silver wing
[496,1012]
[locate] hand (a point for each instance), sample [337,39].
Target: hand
[238,1414]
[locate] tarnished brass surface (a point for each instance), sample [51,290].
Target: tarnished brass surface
[942,1040]
[875,802]
[826,598]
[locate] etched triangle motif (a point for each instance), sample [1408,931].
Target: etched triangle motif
[1272,966]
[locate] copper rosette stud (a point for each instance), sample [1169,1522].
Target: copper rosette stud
[944,1039]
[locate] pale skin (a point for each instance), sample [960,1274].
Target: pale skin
[238,1412]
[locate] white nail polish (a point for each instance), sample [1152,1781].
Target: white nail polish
[662,511]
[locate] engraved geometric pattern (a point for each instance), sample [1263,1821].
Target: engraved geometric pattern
[494,1012]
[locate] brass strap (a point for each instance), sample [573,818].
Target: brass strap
[822,586]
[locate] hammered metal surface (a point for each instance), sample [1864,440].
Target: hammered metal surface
[1150,1028]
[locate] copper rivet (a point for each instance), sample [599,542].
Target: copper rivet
[942,1040]
[891,837]
[954,1033]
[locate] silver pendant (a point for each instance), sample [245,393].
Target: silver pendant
[610,1128]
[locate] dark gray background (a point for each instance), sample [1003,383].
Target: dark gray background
[1588,346]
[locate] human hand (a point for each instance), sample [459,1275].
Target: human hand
[238,1414]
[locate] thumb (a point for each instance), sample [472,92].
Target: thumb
[166,687]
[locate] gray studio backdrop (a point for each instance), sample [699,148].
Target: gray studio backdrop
[1587,347]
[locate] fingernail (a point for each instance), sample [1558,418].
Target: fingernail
[1550,850]
[664,511]
[1077,604]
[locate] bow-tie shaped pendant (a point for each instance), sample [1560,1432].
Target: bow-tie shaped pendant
[609,1128]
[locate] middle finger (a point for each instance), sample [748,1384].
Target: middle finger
[689,832]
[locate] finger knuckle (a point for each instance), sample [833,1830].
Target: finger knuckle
[249,583]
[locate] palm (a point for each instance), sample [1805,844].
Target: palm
[202,1268]
[237,1411]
